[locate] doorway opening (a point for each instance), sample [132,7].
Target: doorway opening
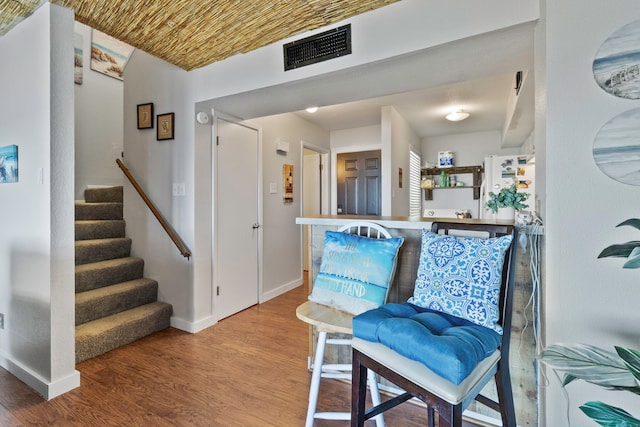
[315,194]
[359,183]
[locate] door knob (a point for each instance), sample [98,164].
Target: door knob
[254,226]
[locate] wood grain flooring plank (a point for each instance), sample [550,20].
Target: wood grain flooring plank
[247,370]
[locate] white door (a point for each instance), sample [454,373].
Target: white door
[237,232]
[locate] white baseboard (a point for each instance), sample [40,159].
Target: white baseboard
[44,388]
[193,327]
[281,290]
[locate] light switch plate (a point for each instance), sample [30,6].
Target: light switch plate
[178,189]
[273,188]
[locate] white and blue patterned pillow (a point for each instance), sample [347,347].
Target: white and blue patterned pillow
[461,276]
[356,272]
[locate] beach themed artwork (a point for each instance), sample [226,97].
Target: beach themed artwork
[616,66]
[109,56]
[8,164]
[616,148]
[77,58]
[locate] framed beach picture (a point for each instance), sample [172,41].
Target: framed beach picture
[77,58]
[109,56]
[616,66]
[165,126]
[616,147]
[8,164]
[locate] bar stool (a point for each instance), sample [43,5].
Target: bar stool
[329,321]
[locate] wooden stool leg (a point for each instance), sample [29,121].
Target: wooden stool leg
[314,389]
[358,391]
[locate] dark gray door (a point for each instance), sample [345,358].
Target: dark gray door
[359,183]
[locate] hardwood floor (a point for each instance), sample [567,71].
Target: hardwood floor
[247,370]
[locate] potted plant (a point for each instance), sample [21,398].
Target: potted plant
[613,371]
[506,202]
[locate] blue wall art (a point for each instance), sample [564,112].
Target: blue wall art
[8,164]
[616,147]
[616,66]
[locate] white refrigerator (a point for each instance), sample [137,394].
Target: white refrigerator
[504,171]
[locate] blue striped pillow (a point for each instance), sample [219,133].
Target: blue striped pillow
[356,271]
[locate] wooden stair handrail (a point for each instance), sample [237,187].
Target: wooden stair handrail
[163,222]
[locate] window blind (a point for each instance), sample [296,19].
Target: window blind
[415,202]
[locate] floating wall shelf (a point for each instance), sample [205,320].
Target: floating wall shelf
[476,171]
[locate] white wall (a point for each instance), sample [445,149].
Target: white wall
[586,299]
[469,149]
[281,236]
[397,140]
[367,136]
[397,29]
[98,124]
[36,237]
[157,165]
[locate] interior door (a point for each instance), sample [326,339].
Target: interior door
[359,183]
[237,233]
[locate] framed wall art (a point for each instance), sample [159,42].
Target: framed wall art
[288,183]
[8,164]
[165,126]
[109,56]
[616,66]
[616,149]
[145,116]
[77,58]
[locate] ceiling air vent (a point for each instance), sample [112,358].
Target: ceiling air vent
[318,48]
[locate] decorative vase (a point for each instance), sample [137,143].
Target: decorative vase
[508,213]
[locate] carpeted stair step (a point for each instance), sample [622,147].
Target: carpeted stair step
[104,273]
[102,335]
[93,211]
[103,194]
[103,302]
[99,229]
[102,249]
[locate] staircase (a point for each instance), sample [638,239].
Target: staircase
[115,304]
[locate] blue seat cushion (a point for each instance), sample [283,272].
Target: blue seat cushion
[450,346]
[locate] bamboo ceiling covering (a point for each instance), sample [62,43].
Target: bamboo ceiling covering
[14,11]
[192,34]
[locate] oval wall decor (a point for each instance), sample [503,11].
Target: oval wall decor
[616,66]
[616,147]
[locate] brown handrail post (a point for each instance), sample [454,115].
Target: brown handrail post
[163,222]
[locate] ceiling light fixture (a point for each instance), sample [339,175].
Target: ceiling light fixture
[312,109]
[457,115]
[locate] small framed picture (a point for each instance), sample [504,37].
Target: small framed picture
[165,126]
[145,116]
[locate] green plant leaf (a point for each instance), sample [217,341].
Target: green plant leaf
[631,358]
[609,416]
[633,222]
[566,379]
[621,250]
[591,364]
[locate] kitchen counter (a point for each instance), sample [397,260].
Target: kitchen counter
[403,222]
